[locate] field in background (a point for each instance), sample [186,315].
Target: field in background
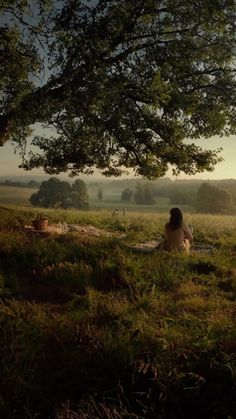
[111,199]
[14,195]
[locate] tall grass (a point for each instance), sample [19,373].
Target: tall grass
[91,329]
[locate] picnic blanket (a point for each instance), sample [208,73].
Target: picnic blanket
[155,245]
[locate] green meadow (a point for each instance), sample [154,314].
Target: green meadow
[15,195]
[91,328]
[111,199]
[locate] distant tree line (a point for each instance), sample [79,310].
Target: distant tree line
[100,194]
[143,195]
[127,195]
[204,197]
[213,200]
[55,193]
[31,184]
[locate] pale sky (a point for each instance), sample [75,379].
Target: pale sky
[9,161]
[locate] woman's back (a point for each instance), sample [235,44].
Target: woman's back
[178,239]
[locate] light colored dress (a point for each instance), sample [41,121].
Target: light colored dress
[179,239]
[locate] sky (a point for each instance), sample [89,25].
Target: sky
[9,161]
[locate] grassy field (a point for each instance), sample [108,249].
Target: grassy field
[111,200]
[15,195]
[93,329]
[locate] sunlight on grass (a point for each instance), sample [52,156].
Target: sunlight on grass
[110,316]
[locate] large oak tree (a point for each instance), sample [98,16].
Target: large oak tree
[125,84]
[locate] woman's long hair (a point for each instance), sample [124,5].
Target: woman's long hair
[176,218]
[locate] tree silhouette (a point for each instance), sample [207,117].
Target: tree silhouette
[56,193]
[127,194]
[100,194]
[127,82]
[213,200]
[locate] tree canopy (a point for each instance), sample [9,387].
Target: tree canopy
[127,194]
[122,83]
[100,194]
[143,195]
[57,193]
[213,200]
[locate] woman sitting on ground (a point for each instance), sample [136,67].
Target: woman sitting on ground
[177,233]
